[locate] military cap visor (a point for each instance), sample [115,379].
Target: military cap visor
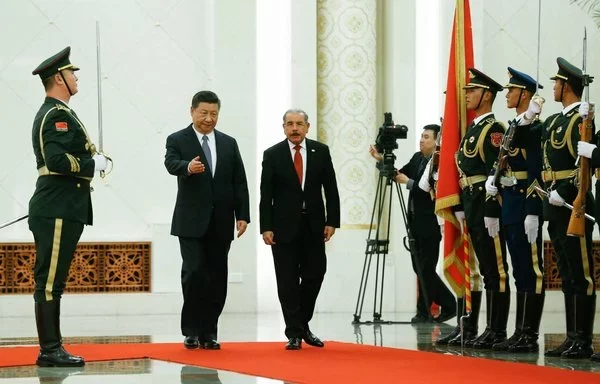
[55,64]
[522,80]
[481,80]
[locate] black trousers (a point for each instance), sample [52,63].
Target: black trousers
[424,261]
[300,267]
[55,244]
[574,256]
[204,283]
[490,253]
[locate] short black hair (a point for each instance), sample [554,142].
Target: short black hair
[433,127]
[205,97]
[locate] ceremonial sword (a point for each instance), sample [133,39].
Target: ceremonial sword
[565,204]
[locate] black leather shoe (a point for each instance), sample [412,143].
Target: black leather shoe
[557,352]
[578,350]
[58,358]
[445,316]
[313,340]
[294,343]
[595,357]
[191,342]
[210,344]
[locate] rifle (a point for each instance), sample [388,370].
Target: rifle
[500,164]
[577,222]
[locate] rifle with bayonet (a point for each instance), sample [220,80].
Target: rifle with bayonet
[577,222]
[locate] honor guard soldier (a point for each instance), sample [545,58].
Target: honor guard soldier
[475,159]
[560,136]
[520,173]
[61,204]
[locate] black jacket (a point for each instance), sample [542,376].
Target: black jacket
[282,198]
[202,197]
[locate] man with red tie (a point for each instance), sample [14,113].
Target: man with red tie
[296,222]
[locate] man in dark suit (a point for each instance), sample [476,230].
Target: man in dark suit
[425,231]
[296,222]
[61,204]
[212,195]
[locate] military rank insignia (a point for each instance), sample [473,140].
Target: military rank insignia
[496,138]
[61,126]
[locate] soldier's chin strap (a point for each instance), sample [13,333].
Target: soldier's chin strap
[519,99]
[66,84]
[480,98]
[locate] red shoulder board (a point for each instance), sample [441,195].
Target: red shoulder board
[61,126]
[496,138]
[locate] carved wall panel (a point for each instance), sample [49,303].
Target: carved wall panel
[96,267]
[553,282]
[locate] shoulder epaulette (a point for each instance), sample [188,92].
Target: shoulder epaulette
[62,107]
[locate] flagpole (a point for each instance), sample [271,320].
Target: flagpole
[460,64]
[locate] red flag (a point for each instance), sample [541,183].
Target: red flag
[455,123]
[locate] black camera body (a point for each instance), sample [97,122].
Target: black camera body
[386,142]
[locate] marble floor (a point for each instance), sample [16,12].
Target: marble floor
[245,327]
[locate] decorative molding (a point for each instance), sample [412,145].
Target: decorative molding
[96,267]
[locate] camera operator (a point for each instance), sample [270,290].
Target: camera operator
[425,230]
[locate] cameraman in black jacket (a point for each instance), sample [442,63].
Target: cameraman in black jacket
[425,230]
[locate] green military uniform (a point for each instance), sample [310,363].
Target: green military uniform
[59,208]
[560,135]
[477,153]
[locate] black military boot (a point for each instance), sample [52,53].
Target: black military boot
[530,326]
[470,323]
[52,353]
[496,330]
[503,346]
[569,319]
[585,311]
[595,357]
[460,309]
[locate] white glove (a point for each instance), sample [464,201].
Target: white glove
[493,225]
[531,228]
[585,149]
[436,175]
[424,180]
[100,162]
[441,223]
[489,188]
[584,109]
[460,216]
[535,107]
[556,199]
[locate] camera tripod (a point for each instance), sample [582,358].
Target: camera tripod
[378,245]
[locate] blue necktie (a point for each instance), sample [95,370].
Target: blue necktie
[207,153]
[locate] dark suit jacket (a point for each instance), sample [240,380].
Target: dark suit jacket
[281,196]
[202,197]
[421,216]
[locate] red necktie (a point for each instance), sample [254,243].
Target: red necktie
[298,163]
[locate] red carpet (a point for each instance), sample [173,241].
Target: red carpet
[336,363]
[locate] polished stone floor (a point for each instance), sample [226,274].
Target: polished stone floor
[245,327]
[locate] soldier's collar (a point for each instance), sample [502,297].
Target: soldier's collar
[570,107]
[479,119]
